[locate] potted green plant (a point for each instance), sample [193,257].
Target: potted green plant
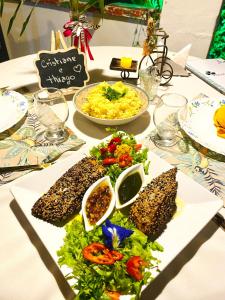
[76,7]
[77,27]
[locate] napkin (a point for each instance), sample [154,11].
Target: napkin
[21,148]
[219,121]
[181,57]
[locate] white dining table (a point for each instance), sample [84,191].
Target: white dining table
[197,273]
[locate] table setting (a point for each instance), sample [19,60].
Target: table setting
[169,136]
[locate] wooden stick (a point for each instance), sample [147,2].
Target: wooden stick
[52,40]
[62,40]
[57,40]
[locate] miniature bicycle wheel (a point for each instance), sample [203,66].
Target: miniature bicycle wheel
[165,69]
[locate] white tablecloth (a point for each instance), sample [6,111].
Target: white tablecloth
[27,272]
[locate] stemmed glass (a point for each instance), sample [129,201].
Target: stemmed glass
[165,118]
[52,110]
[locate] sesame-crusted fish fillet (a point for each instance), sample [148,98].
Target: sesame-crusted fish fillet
[64,198]
[155,204]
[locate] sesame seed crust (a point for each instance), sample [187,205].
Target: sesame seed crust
[155,204]
[64,198]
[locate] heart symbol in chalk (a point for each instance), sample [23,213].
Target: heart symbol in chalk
[77,68]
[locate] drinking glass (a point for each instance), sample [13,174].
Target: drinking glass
[149,81]
[52,110]
[165,118]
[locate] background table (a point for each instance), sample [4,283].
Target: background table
[26,270]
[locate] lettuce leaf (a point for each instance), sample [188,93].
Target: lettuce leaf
[93,279]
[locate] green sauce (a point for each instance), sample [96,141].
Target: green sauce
[129,187]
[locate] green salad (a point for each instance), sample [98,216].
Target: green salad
[94,280]
[119,153]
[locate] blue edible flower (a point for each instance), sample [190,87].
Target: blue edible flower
[114,234]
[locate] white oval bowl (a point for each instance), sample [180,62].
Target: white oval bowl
[80,97]
[88,226]
[135,168]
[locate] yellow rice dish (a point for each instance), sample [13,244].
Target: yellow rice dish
[116,101]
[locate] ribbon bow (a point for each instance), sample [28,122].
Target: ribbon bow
[79,30]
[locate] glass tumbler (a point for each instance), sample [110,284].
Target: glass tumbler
[149,81]
[52,111]
[165,118]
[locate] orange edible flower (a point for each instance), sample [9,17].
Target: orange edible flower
[219,121]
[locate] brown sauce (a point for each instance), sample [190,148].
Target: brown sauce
[98,203]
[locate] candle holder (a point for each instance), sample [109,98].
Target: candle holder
[125,72]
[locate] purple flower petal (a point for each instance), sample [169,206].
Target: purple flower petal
[114,234]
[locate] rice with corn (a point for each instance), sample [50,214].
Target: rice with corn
[125,106]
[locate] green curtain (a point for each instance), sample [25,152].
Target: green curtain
[155,4]
[217,48]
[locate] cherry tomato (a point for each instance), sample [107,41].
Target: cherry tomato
[125,160]
[137,147]
[109,161]
[113,295]
[99,254]
[115,140]
[134,266]
[103,151]
[112,148]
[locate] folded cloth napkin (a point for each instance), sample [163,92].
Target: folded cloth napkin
[219,121]
[178,70]
[21,147]
[181,56]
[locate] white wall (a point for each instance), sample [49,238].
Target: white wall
[187,21]
[190,21]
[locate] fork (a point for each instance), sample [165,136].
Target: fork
[23,168]
[3,89]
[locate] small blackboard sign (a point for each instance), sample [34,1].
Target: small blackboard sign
[62,69]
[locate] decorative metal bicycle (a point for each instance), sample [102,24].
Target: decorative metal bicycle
[164,69]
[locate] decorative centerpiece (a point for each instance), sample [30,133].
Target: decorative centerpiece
[78,27]
[165,70]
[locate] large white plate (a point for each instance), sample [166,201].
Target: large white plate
[199,207]
[199,124]
[13,107]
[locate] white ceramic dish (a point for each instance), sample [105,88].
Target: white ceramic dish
[199,207]
[13,107]
[80,97]
[199,124]
[135,168]
[105,179]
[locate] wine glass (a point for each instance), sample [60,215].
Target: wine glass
[52,110]
[165,118]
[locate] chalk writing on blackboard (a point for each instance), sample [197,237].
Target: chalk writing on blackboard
[62,69]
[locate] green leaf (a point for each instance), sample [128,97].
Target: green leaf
[74,6]
[1,7]
[92,3]
[28,18]
[12,19]
[101,6]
